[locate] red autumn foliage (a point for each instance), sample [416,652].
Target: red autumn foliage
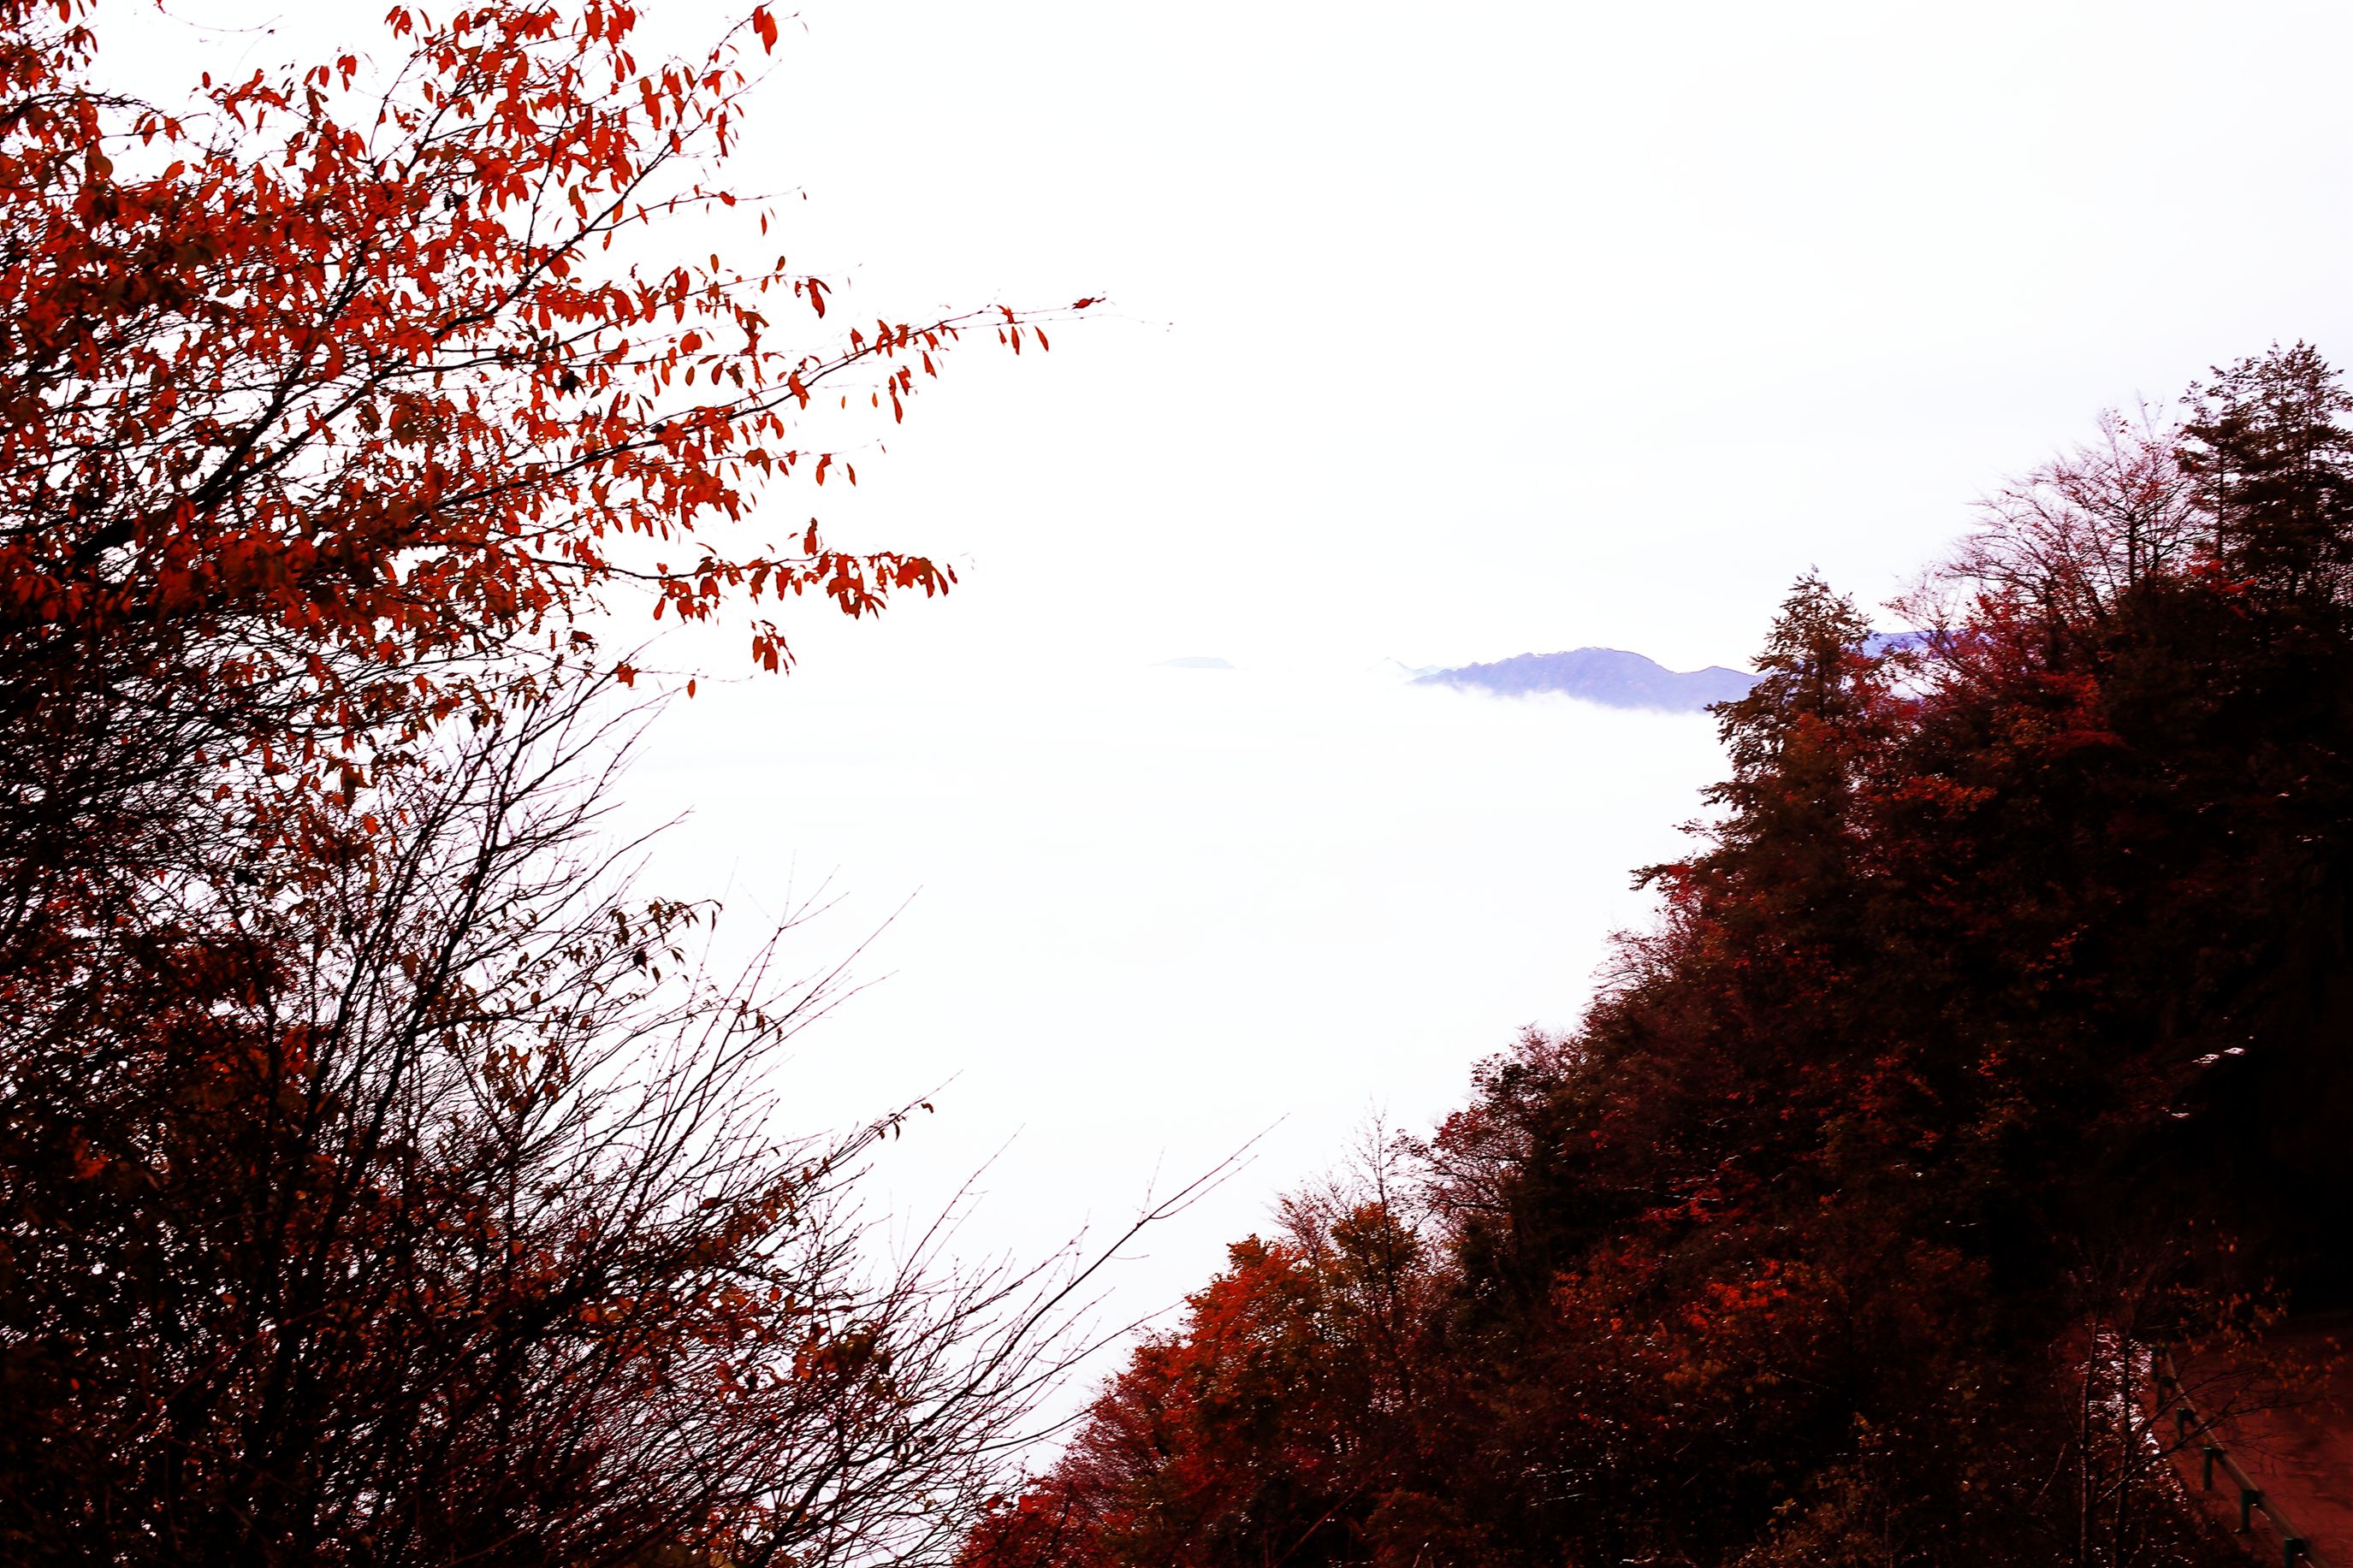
[329,401]
[346,379]
[380,1183]
[1242,1436]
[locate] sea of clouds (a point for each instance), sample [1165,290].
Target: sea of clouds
[1125,919]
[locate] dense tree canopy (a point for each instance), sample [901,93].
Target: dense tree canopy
[1997,1028]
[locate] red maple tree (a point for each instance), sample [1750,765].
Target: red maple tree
[379,1182]
[345,377]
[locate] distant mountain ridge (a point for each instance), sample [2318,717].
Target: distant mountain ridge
[1608,676]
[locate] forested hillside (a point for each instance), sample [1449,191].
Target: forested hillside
[1995,1028]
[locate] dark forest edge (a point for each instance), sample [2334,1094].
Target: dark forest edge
[1999,1027]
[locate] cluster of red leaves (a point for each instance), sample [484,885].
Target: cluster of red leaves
[347,379]
[1246,1432]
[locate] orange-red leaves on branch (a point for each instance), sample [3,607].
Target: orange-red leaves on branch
[348,377]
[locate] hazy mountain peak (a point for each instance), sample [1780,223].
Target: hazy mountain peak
[1608,676]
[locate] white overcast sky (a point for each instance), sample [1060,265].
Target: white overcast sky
[1438,333]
